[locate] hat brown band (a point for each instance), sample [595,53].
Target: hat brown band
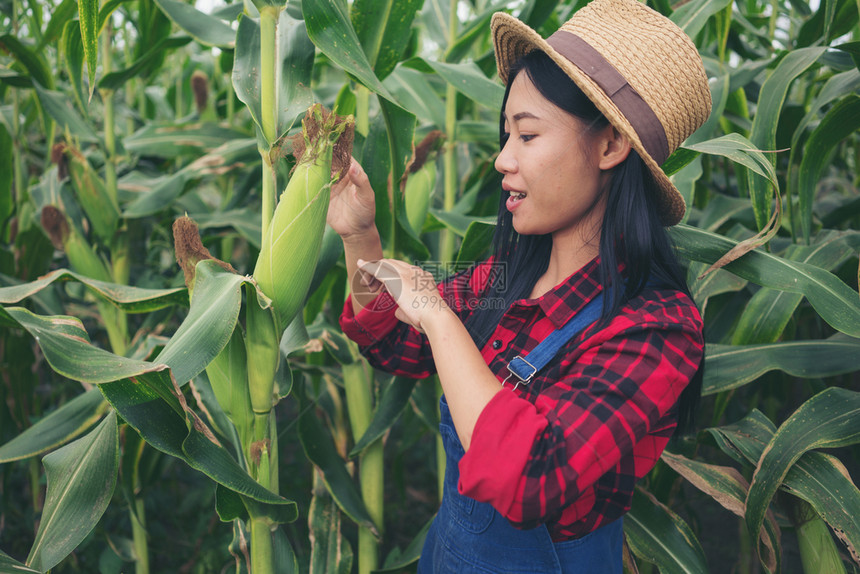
[627,100]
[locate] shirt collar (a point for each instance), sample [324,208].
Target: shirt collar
[566,299]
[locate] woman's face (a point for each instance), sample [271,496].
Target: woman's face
[552,167]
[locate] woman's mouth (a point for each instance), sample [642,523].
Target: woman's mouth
[514,199]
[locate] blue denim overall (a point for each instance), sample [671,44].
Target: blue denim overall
[470,537]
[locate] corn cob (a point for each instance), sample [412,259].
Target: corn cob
[291,245]
[421,180]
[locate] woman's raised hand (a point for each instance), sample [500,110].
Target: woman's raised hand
[352,206]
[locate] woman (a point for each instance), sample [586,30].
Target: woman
[569,357]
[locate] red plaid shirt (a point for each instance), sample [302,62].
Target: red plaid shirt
[567,449]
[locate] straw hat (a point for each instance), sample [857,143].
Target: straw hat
[639,68]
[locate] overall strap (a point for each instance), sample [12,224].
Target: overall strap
[524,369]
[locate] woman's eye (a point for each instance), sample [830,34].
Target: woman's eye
[527,137]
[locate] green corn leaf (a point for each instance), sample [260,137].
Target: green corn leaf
[73,58]
[61,17]
[56,428]
[330,29]
[90,191]
[9,564]
[27,57]
[679,159]
[320,449]
[740,150]
[476,243]
[283,554]
[769,311]
[409,556]
[729,488]
[468,79]
[7,162]
[721,209]
[246,222]
[394,400]
[376,161]
[296,53]
[763,135]
[732,366]
[67,348]
[413,90]
[478,132]
[107,9]
[818,478]
[129,299]
[658,535]
[685,181]
[458,223]
[61,108]
[186,437]
[210,322]
[472,33]
[719,85]
[331,552]
[829,419]
[435,16]
[823,481]
[88,14]
[835,301]
[171,141]
[81,481]
[204,28]
[228,505]
[692,16]
[383,29]
[746,439]
[842,120]
[400,127]
[837,86]
[536,12]
[235,155]
[714,283]
[115,80]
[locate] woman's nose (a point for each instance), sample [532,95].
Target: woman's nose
[505,162]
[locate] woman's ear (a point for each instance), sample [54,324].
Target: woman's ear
[615,147]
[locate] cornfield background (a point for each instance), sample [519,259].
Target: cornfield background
[128,438]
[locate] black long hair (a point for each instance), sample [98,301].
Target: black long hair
[632,233]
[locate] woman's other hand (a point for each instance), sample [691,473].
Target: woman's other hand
[414,289]
[352,207]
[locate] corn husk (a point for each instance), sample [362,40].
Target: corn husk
[291,245]
[262,339]
[421,180]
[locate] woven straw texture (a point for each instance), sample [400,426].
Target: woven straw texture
[654,55]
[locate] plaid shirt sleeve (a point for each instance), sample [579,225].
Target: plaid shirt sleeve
[609,412]
[395,347]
